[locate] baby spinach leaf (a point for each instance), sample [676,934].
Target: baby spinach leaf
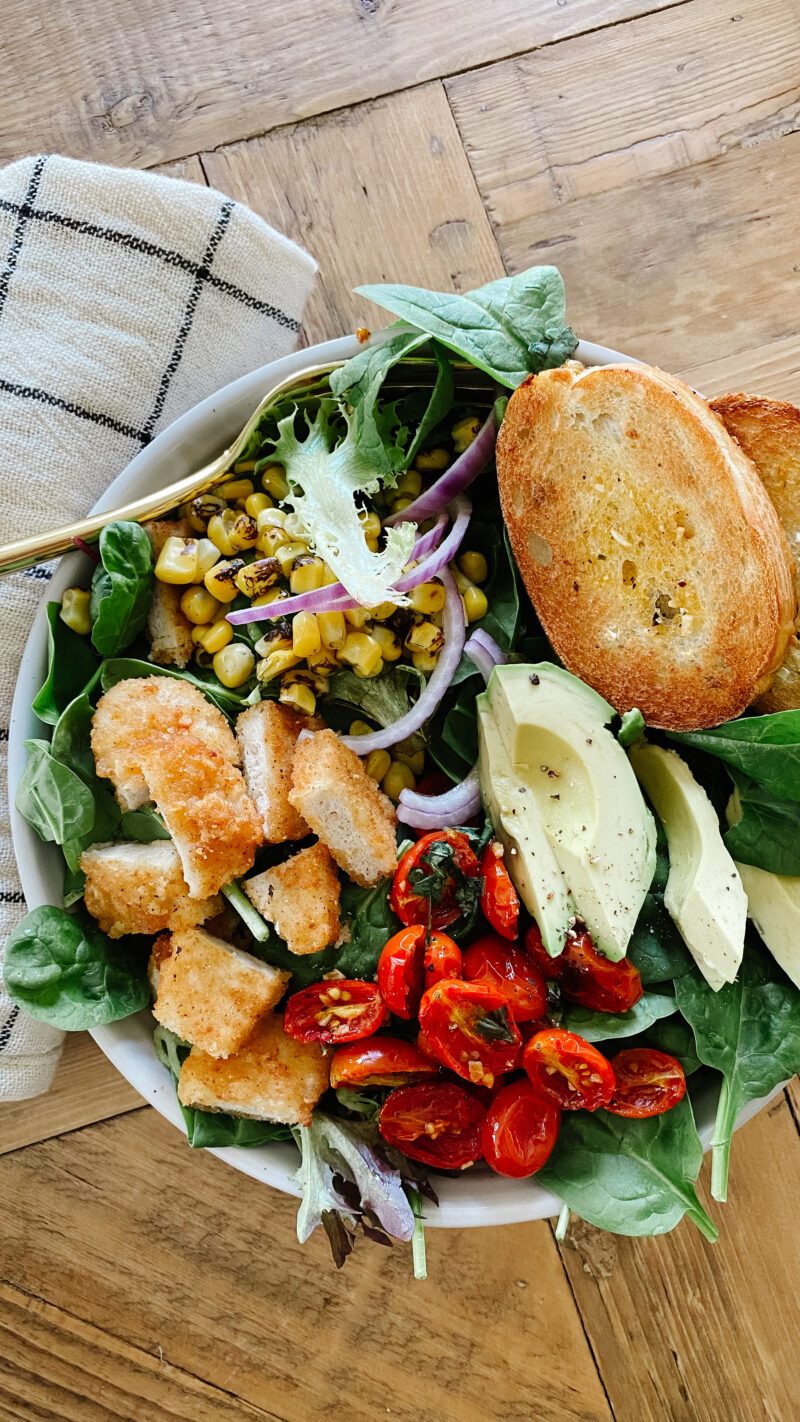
[768,833]
[371,923]
[212,1128]
[656,948]
[52,798]
[62,969]
[631,727]
[439,403]
[122,587]
[767,748]
[71,745]
[359,381]
[306,969]
[70,667]
[144,826]
[629,1177]
[750,1031]
[73,887]
[607,1026]
[673,1035]
[229,702]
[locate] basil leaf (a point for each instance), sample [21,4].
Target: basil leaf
[62,969]
[70,667]
[122,587]
[768,833]
[767,748]
[606,1026]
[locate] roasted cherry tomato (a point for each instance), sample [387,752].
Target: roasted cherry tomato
[444,858]
[469,1029]
[585,976]
[382,1061]
[434,783]
[336,1011]
[549,968]
[499,900]
[401,973]
[568,1071]
[648,1082]
[519,1130]
[442,959]
[490,959]
[437,1123]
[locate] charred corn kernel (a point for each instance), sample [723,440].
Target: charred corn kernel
[257,578]
[273,481]
[207,555]
[199,606]
[219,531]
[256,504]
[400,504]
[476,604]
[414,760]
[244,531]
[432,461]
[299,696]
[425,662]
[332,629]
[383,611]
[474,566]
[370,524]
[271,539]
[276,664]
[464,432]
[372,671]
[398,777]
[272,595]
[236,489]
[244,466]
[323,662]
[357,617]
[389,643]
[409,484]
[460,579]
[288,552]
[360,728]
[202,658]
[221,579]
[306,640]
[307,574]
[317,680]
[425,637]
[234,664]
[203,508]
[214,637]
[295,527]
[271,518]
[328,576]
[361,652]
[177,561]
[277,639]
[428,597]
[75,610]
[377,763]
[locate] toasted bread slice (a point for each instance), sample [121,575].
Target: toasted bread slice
[769,433]
[301,898]
[651,551]
[344,807]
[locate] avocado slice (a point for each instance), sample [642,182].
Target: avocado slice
[704,894]
[546,755]
[773,903]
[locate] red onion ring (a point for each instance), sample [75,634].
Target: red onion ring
[455,479]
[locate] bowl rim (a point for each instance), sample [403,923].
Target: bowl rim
[477,1198]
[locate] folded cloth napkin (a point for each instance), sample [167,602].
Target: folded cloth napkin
[125,298]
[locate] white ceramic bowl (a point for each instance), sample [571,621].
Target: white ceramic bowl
[479,1197]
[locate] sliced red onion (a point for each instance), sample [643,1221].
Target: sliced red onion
[487,642]
[455,479]
[439,681]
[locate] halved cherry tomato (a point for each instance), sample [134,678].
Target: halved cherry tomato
[442,959]
[442,908]
[499,900]
[438,1124]
[469,1029]
[648,1082]
[434,783]
[549,968]
[381,1061]
[586,976]
[490,959]
[401,974]
[568,1071]
[520,1130]
[336,1011]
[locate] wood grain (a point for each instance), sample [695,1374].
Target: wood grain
[164,1249]
[86,1088]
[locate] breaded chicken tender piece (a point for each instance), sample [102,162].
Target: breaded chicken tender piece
[267,735]
[140,888]
[170,629]
[301,898]
[344,807]
[210,993]
[272,1078]
[141,705]
[214,824]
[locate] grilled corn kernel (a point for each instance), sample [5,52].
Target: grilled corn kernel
[221,579]
[274,481]
[307,574]
[234,664]
[270,539]
[428,597]
[323,662]
[332,629]
[377,763]
[361,652]
[75,610]
[474,566]
[276,664]
[328,576]
[231,531]
[271,518]
[277,638]
[270,596]
[389,643]
[460,579]
[219,531]
[398,777]
[358,617]
[476,604]
[202,658]
[244,466]
[177,561]
[360,728]
[257,578]
[256,504]
[432,461]
[236,489]
[299,696]
[317,680]
[203,508]
[207,555]
[244,532]
[383,611]
[425,637]
[409,484]
[424,662]
[199,606]
[464,432]
[371,671]
[370,524]
[214,637]
[400,504]
[287,552]
[414,760]
[306,640]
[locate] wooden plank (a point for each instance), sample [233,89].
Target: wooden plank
[148,82]
[772,370]
[190,169]
[169,1249]
[86,1088]
[697,1332]
[336,186]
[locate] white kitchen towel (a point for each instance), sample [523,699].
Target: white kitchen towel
[125,298]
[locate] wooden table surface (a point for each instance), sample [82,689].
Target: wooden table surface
[649,148]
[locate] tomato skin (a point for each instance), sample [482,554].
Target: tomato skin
[380,1061]
[414,908]
[438,1124]
[499,900]
[519,1130]
[443,959]
[550,968]
[401,977]
[306,1012]
[449,1018]
[648,1083]
[586,976]
[568,1071]
[434,783]
[490,959]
